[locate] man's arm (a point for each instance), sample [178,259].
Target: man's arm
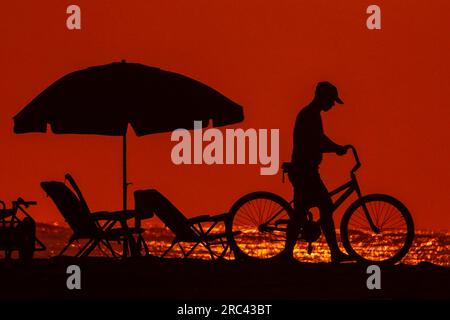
[330,146]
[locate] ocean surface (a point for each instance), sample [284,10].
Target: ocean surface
[429,246]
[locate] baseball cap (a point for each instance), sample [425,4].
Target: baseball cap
[327,89]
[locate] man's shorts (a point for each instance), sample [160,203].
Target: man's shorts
[309,189]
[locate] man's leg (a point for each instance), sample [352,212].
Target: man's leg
[295,224]
[327,224]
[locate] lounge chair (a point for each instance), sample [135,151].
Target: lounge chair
[98,227]
[186,230]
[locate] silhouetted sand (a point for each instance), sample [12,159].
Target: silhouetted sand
[154,278]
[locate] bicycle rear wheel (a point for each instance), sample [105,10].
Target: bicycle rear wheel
[260,218]
[390,216]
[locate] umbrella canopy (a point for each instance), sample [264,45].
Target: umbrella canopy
[104,100]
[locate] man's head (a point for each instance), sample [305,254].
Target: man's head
[326,95]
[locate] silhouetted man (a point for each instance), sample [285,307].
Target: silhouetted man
[310,142]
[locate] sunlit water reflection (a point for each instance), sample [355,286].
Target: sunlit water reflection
[430,246]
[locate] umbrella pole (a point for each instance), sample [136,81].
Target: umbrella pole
[124,171]
[129,242]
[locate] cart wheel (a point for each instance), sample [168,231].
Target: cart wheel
[27,235]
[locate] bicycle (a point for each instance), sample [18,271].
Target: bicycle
[374,228]
[18,233]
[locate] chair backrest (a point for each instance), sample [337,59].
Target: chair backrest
[71,208]
[77,190]
[153,201]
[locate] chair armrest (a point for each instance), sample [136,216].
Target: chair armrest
[208,218]
[202,218]
[104,215]
[220,217]
[119,215]
[98,215]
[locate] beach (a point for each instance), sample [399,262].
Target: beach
[423,274]
[193,279]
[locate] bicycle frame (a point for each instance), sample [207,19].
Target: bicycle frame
[347,188]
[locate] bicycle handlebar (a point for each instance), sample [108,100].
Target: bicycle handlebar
[358,163]
[20,201]
[287,165]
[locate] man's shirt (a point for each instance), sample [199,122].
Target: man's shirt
[310,141]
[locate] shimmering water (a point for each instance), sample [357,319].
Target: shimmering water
[430,246]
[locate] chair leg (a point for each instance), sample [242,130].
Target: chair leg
[174,242]
[134,244]
[88,248]
[66,247]
[208,247]
[225,250]
[192,249]
[225,247]
[110,248]
[125,248]
[144,244]
[83,248]
[182,250]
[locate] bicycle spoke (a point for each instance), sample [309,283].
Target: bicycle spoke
[250,216]
[391,214]
[376,212]
[257,210]
[395,219]
[362,220]
[264,211]
[381,245]
[252,203]
[241,218]
[387,214]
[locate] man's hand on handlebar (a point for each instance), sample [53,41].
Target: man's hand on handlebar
[343,150]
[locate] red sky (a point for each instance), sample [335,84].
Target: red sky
[265,55]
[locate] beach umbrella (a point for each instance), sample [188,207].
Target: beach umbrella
[104,100]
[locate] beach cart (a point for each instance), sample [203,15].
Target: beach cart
[18,230]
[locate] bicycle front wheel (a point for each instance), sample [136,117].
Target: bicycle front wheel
[258,222]
[391,239]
